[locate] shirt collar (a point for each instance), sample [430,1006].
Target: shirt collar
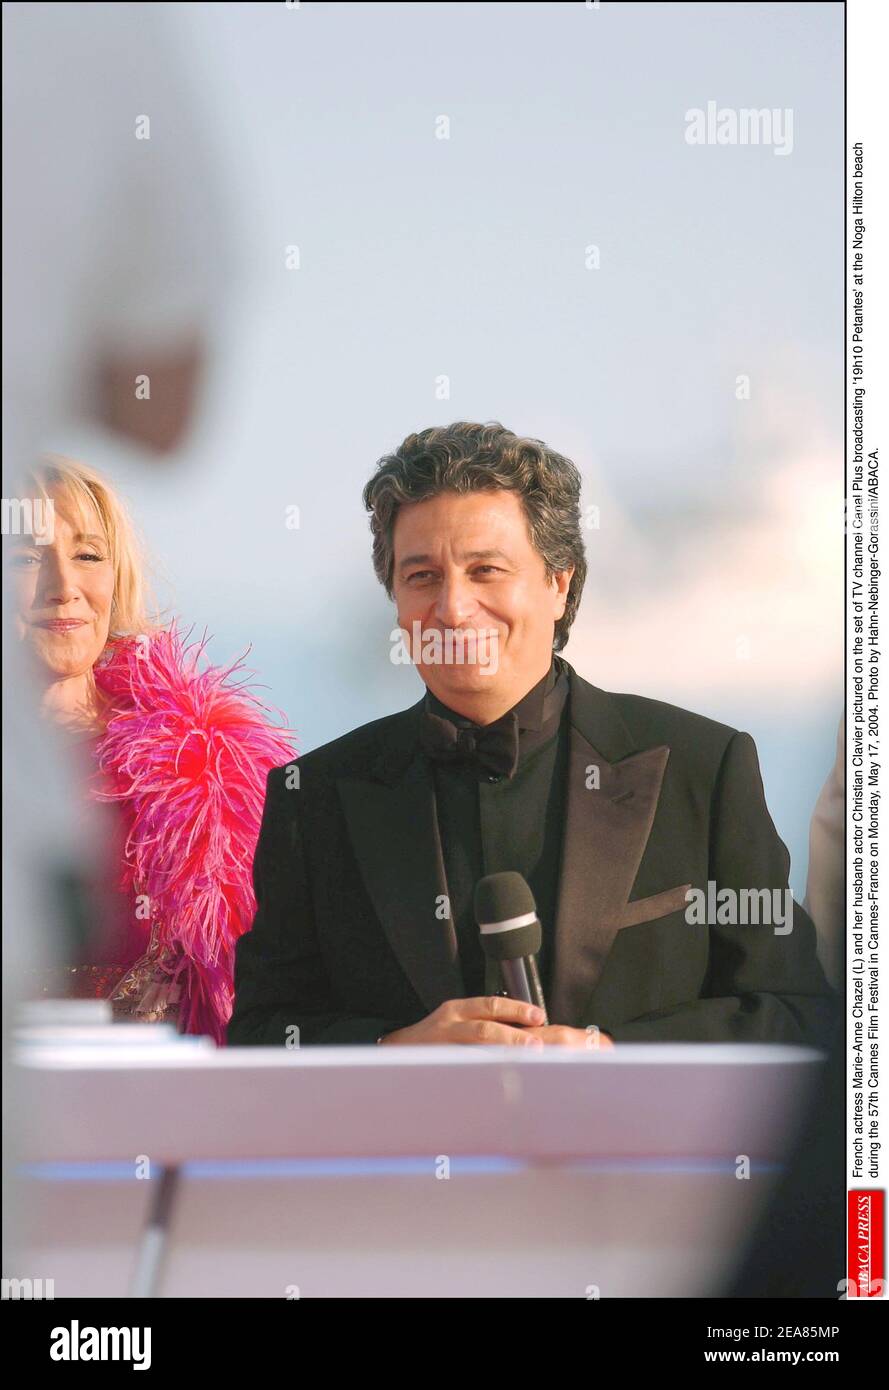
[529,709]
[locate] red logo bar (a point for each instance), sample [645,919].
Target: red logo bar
[865,1244]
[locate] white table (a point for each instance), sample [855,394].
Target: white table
[428,1171]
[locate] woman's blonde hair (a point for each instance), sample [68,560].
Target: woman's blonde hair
[77,486]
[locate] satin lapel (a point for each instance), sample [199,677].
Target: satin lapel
[393,828]
[606,831]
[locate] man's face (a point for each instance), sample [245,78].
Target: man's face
[464,563]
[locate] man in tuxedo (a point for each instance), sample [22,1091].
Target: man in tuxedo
[614,808]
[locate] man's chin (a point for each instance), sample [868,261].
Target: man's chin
[472,676]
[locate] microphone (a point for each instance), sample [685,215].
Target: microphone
[511,933]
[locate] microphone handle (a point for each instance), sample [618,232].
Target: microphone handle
[522,980]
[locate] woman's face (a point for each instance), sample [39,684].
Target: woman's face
[63,592]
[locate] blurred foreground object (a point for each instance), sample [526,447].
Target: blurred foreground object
[115,256]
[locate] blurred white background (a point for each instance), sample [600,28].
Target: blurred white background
[715,573]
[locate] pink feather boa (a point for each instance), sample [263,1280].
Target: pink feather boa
[187,753]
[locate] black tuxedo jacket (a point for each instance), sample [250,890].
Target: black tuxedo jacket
[351,938]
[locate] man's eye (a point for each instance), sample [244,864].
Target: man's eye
[419,574]
[495,569]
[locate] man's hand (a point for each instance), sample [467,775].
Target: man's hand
[496,1020]
[592,1038]
[491,1019]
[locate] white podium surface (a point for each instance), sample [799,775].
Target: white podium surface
[406,1172]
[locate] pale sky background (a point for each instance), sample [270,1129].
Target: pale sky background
[715,575]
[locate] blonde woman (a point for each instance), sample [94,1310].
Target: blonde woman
[179,754]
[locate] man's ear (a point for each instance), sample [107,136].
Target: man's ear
[562,580]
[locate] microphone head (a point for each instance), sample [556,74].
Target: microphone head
[507,917]
[501,896]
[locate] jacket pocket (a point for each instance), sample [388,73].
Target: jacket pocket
[649,909]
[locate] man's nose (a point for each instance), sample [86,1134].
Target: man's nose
[455,603]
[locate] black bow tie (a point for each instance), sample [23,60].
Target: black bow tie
[493,746]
